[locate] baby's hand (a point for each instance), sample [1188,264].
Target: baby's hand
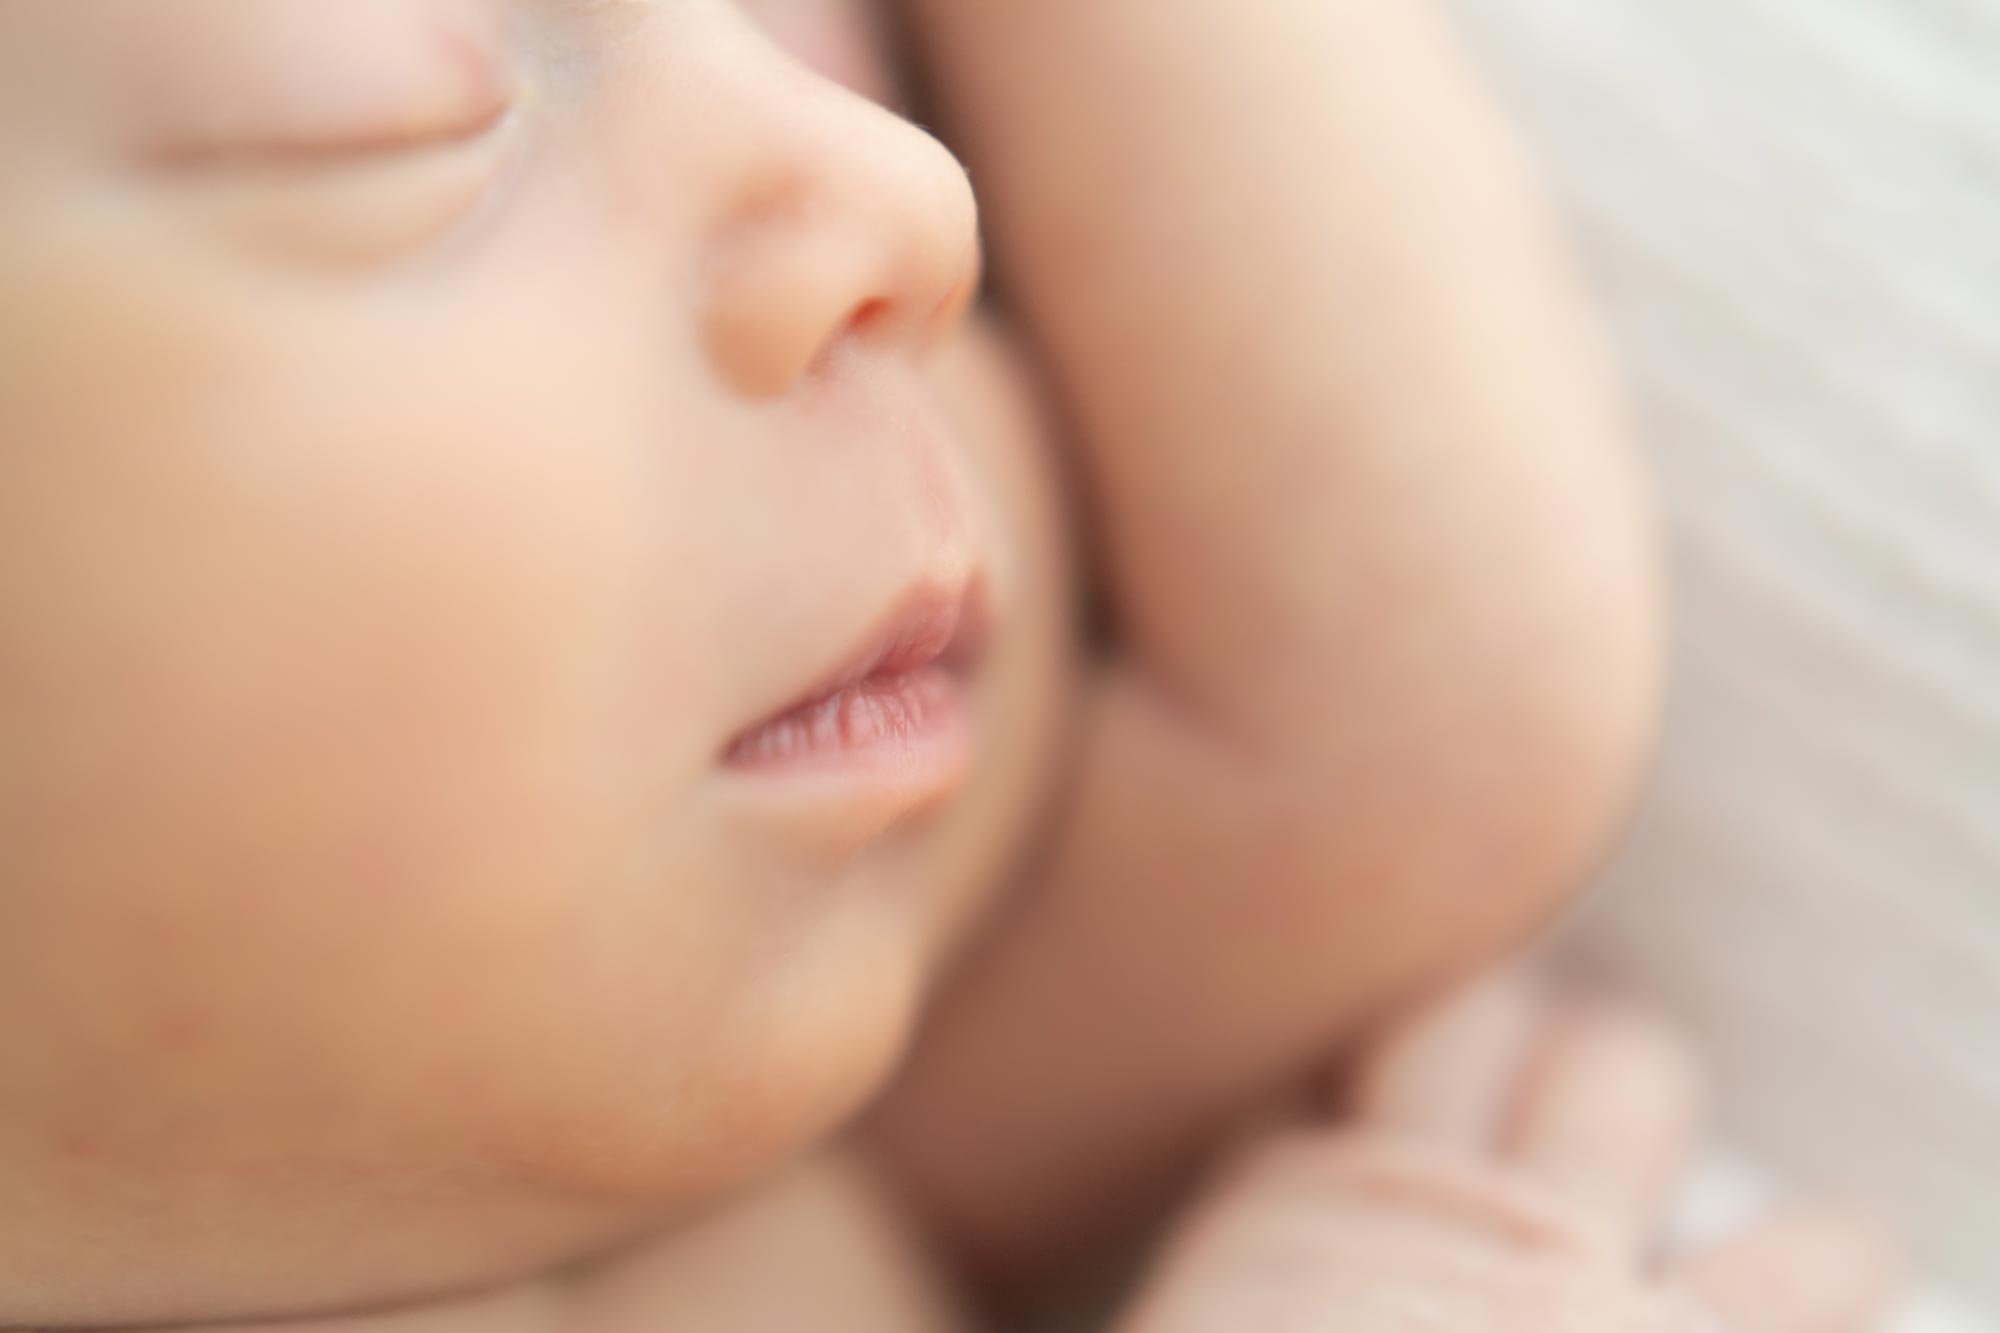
[1506,1173]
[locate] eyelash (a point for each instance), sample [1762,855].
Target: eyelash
[331,149]
[340,203]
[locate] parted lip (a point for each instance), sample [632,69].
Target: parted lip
[932,624]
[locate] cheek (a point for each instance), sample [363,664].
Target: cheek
[319,695]
[360,813]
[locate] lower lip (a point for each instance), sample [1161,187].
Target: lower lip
[909,729]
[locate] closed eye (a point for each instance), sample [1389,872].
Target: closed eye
[294,148]
[300,82]
[338,199]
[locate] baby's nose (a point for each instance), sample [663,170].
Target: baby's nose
[841,39]
[846,225]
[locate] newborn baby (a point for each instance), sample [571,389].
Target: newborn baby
[542,632]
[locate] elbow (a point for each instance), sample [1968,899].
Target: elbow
[1486,736]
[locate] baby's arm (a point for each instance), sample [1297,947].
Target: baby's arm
[1381,587]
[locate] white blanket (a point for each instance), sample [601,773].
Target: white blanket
[1792,208]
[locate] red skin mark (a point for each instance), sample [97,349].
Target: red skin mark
[180,1034]
[175,1034]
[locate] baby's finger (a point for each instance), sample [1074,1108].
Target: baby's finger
[1802,1272]
[1447,1075]
[1608,1112]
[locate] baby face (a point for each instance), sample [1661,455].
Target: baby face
[485,614]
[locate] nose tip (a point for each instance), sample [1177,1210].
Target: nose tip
[861,231]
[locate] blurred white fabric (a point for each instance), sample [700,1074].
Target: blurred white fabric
[1792,208]
[1729,1192]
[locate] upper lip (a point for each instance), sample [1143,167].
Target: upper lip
[915,632]
[932,622]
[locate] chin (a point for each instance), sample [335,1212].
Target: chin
[782,1072]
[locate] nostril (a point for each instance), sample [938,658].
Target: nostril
[867,317]
[860,327]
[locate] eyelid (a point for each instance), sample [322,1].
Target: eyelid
[367,212]
[304,87]
[332,145]
[362,196]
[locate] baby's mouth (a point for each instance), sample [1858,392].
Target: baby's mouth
[898,711]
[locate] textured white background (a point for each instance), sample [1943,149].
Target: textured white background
[1792,208]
